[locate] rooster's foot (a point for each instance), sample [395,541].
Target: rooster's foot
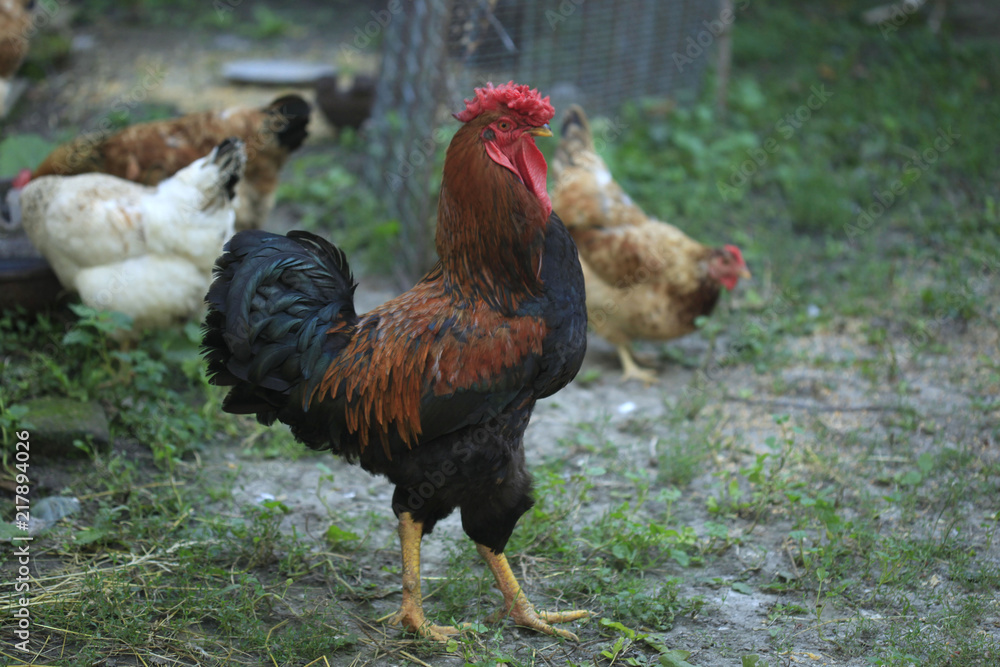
[517,607]
[523,613]
[411,618]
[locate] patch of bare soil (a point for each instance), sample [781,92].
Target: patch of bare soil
[828,402]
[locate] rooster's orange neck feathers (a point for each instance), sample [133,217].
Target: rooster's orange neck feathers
[493,208]
[490,226]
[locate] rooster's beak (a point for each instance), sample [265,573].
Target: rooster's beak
[745,274]
[542,131]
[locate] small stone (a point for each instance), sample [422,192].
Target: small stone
[47,511]
[57,422]
[83,42]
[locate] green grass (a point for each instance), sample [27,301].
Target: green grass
[872,543]
[258,22]
[333,199]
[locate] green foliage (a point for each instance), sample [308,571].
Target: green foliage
[255,21]
[683,457]
[812,168]
[338,538]
[267,24]
[333,200]
[649,607]
[631,544]
[155,391]
[22,151]
[766,477]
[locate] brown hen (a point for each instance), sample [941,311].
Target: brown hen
[147,153]
[646,279]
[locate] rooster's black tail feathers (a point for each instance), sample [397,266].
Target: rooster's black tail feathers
[271,308]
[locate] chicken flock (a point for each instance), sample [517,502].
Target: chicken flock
[146,251]
[433,389]
[147,153]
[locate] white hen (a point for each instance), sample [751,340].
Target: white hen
[144,251]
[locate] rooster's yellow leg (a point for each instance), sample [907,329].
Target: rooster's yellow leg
[518,607]
[411,611]
[632,370]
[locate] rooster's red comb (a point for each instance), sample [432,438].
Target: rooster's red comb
[525,101]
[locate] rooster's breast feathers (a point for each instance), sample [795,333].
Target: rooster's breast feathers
[416,362]
[429,363]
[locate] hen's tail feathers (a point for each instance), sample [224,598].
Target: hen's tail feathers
[291,116]
[575,136]
[231,158]
[279,311]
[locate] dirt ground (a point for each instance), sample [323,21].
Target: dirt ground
[824,402]
[824,399]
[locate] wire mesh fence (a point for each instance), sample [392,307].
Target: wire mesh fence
[598,53]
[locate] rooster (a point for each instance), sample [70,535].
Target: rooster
[144,251]
[645,279]
[149,152]
[434,388]
[15,25]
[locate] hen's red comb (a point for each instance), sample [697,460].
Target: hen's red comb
[735,252]
[526,102]
[23,178]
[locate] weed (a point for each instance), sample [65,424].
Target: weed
[766,477]
[155,392]
[334,201]
[682,457]
[654,608]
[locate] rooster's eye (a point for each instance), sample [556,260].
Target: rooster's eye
[504,126]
